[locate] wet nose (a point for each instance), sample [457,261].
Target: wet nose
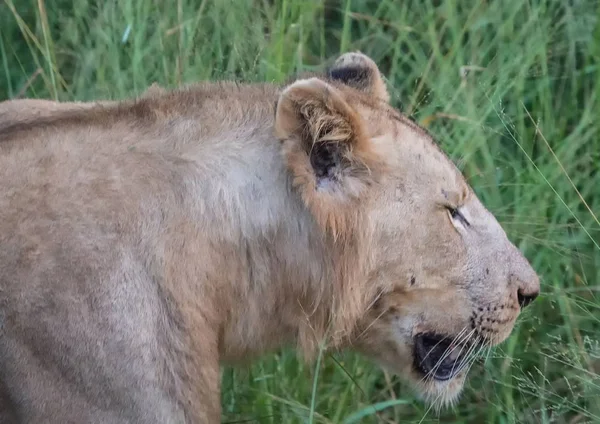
[526,298]
[525,279]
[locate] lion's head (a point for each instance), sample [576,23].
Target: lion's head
[439,278]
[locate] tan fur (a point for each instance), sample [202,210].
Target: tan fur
[144,243]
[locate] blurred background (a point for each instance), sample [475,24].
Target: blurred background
[511,88]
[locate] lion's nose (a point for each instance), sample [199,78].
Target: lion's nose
[526,298]
[524,279]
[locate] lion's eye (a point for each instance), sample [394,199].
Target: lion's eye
[456,215]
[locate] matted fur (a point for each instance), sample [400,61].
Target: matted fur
[143,243]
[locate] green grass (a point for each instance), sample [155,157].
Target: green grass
[511,88]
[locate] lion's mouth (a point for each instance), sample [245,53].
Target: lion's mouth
[438,357]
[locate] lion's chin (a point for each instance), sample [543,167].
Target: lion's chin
[437,393]
[440,394]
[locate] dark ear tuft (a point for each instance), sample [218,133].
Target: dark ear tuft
[360,72]
[352,75]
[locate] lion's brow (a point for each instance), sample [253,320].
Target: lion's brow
[419,130]
[453,197]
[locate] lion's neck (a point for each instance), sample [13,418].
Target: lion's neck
[277,278]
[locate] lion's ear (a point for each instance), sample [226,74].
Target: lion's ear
[360,72]
[328,153]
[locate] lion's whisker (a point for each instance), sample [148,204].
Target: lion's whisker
[469,350]
[476,355]
[451,348]
[470,356]
[462,343]
[441,340]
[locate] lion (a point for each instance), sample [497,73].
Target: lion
[144,243]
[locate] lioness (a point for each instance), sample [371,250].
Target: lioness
[143,243]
